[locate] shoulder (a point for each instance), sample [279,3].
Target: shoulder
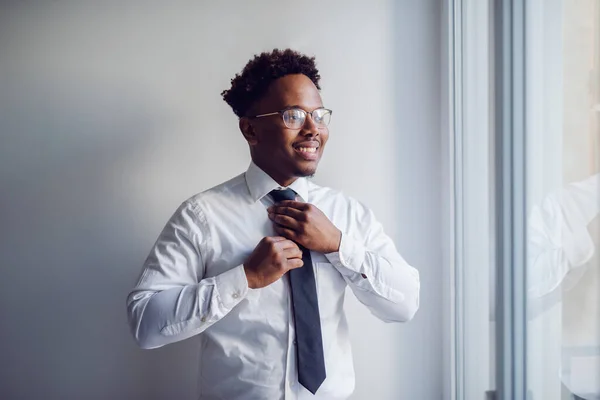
[235,189]
[336,198]
[235,186]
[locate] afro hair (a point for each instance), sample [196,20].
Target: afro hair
[261,71]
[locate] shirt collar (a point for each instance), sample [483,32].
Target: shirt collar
[260,184]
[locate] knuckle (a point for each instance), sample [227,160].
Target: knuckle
[277,259]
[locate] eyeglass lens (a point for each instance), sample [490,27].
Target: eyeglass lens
[294,118]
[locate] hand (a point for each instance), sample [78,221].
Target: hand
[305,224]
[271,258]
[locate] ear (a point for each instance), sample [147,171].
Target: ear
[248,131]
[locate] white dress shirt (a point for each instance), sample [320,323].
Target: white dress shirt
[564,267]
[193,282]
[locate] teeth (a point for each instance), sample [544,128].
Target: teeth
[307,149]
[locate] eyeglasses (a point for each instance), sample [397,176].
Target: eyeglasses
[294,118]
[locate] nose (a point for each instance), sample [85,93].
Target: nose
[309,128]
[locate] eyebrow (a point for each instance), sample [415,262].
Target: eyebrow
[297,106]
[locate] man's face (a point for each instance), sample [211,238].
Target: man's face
[283,153]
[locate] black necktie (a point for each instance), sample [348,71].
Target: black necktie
[305,305]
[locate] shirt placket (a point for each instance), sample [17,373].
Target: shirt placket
[291,372]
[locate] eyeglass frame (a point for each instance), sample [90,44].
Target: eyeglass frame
[280,112]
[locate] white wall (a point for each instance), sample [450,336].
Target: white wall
[110,116]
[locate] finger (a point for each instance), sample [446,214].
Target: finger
[285,232]
[289,211]
[295,263]
[298,205]
[292,252]
[275,239]
[285,221]
[286,244]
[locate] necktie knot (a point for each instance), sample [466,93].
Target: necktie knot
[285,194]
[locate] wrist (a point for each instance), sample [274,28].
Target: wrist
[250,278]
[337,242]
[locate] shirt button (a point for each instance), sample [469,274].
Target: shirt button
[295,342]
[235,295]
[203,319]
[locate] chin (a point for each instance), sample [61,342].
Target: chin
[306,172]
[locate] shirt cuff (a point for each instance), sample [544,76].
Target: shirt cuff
[231,286]
[578,246]
[351,255]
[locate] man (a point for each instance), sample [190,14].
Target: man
[564,268]
[259,264]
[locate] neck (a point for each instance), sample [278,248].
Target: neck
[281,180]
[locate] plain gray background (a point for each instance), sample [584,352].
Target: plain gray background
[111,116]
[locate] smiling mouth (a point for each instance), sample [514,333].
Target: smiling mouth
[308,153]
[307,149]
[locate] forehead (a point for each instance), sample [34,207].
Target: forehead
[293,90]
